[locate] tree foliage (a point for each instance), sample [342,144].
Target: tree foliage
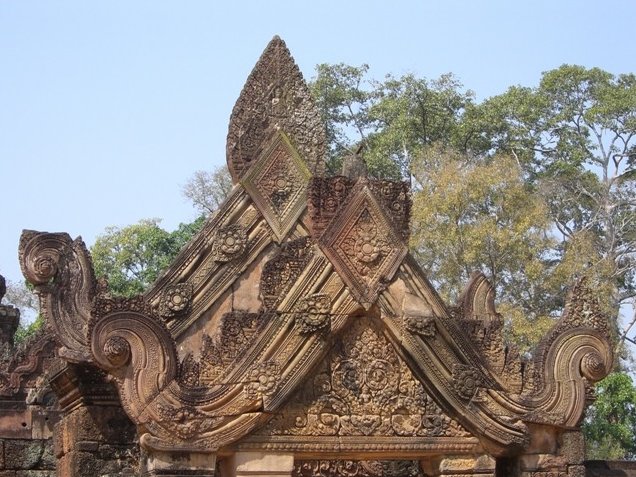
[575,137]
[610,423]
[132,257]
[207,190]
[570,143]
[469,216]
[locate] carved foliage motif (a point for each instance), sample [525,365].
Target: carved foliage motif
[236,334]
[364,246]
[280,273]
[326,196]
[187,421]
[277,183]
[394,199]
[363,389]
[353,468]
[275,96]
[420,325]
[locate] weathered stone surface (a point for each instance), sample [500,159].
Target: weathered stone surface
[572,447]
[295,325]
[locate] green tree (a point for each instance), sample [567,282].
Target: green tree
[132,257]
[394,118]
[468,215]
[575,137]
[609,426]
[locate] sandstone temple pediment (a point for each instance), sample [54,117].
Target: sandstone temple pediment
[296,334]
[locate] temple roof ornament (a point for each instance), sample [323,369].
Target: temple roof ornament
[296,320]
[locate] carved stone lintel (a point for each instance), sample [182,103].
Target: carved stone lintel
[357,468]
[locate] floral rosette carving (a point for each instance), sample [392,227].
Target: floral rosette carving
[117,350]
[313,313]
[229,243]
[466,380]
[175,300]
[366,246]
[265,378]
[278,185]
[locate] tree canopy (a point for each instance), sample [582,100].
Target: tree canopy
[132,257]
[570,142]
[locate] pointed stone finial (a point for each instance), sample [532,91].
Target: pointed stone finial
[275,97]
[354,165]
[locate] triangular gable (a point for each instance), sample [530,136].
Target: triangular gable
[288,279]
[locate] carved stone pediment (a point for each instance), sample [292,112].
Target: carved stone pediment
[296,321]
[364,390]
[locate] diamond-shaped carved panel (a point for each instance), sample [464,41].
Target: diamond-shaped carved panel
[364,247]
[277,183]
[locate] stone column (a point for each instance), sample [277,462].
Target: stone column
[178,463]
[258,464]
[94,436]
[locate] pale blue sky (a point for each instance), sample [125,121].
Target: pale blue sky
[107,107]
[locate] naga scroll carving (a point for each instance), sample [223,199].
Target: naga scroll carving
[62,272]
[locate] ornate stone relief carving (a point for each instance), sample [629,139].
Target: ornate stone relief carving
[281,272]
[25,366]
[363,389]
[237,332]
[360,394]
[275,96]
[62,273]
[229,242]
[476,309]
[357,468]
[363,245]
[467,380]
[277,183]
[313,313]
[175,300]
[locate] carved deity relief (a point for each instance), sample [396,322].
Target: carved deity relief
[363,389]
